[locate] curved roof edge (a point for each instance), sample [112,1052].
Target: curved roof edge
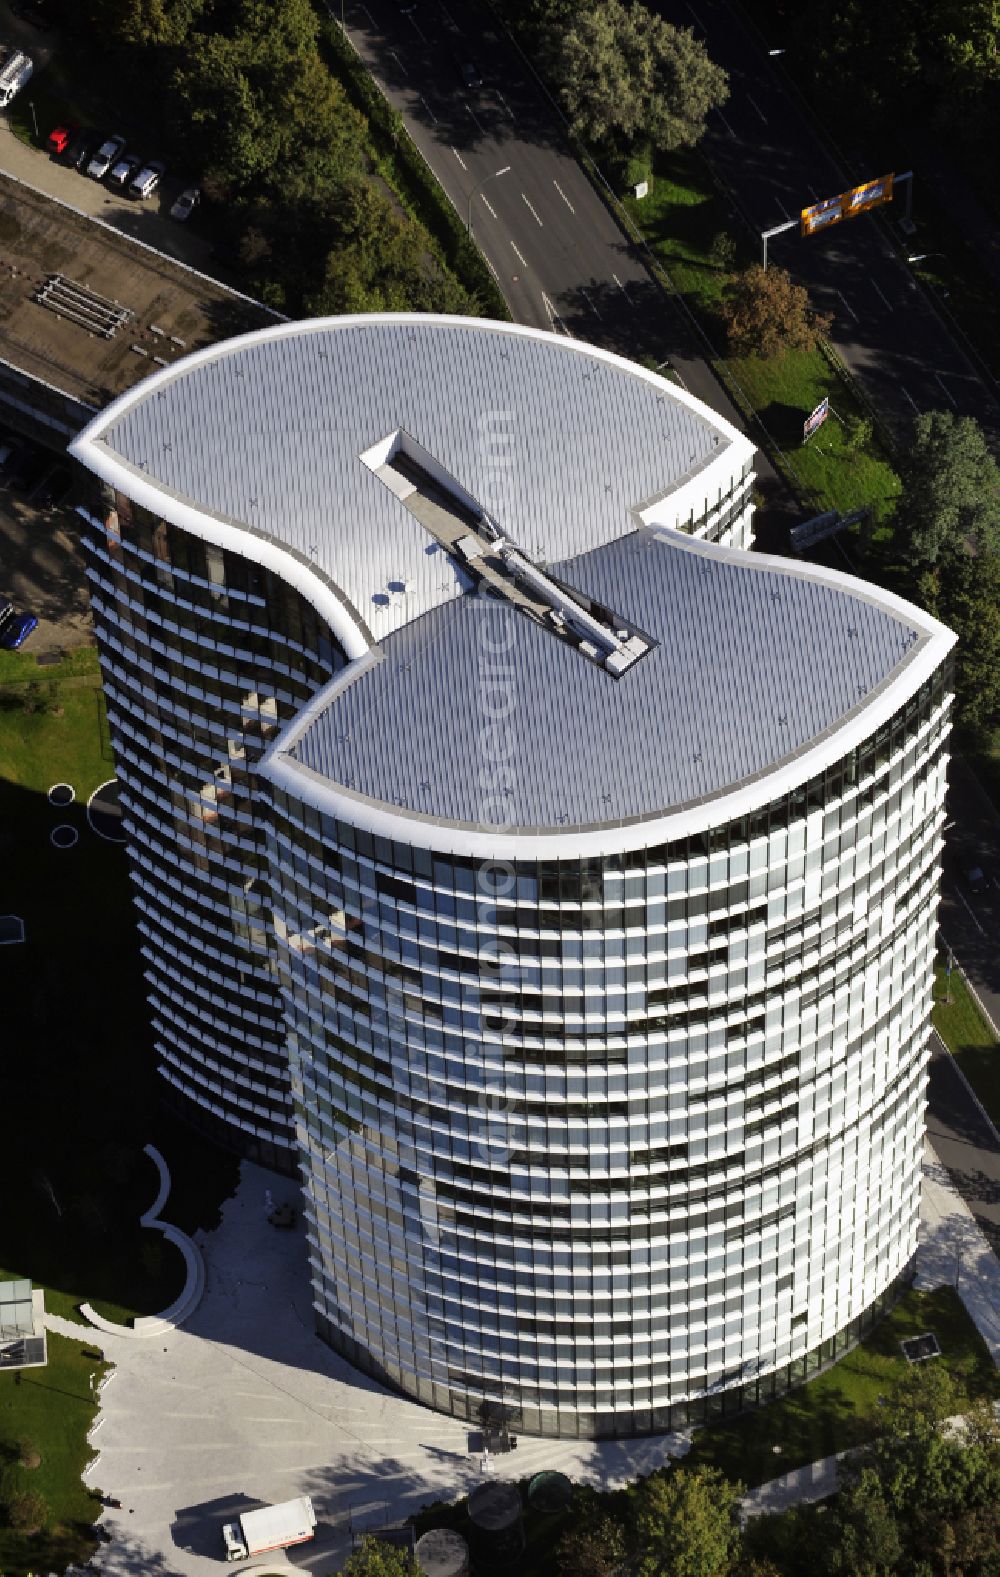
[345,622]
[342,620]
[502,841]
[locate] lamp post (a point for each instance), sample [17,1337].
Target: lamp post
[478,189]
[920,257]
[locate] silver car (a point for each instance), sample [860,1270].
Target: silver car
[107,154]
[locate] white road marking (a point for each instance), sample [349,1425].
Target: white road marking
[492,270]
[476,120]
[531,209]
[458,156]
[519,255]
[812,192]
[698,19]
[621,287]
[506,106]
[449,18]
[590,303]
[947,392]
[784,210]
[847,304]
[757,107]
[428,109]
[565,199]
[555,321]
[399,63]
[488,206]
[909,396]
[371,19]
[725,123]
[965,902]
[882,293]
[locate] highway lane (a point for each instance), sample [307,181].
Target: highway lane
[556,252]
[769,154]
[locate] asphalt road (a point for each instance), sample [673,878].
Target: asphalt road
[769,154]
[558,256]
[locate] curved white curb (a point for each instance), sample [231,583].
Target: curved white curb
[90,818]
[194,1281]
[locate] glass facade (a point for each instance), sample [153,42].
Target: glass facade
[204,655]
[618,1143]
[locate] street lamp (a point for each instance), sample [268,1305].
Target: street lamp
[478,189]
[919,257]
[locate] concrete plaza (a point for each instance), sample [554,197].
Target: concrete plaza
[244,1404]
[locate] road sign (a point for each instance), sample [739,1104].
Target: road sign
[847,205]
[816,418]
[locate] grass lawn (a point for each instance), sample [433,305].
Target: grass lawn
[840,1408]
[680,219]
[83,1080]
[968,1037]
[53,1409]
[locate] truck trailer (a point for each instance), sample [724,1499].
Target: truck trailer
[269,1528]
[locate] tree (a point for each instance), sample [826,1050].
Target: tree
[864,1538]
[951,488]
[624,73]
[381,262]
[375,1559]
[966,596]
[767,313]
[596,1550]
[261,112]
[686,1519]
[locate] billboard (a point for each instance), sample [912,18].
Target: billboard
[816,418]
[848,205]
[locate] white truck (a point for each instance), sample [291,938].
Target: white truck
[269,1528]
[15,69]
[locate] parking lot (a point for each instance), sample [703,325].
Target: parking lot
[41,561]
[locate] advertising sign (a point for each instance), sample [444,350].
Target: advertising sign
[847,206]
[860,198]
[816,418]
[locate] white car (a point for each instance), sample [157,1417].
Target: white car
[148,178]
[186,204]
[107,154]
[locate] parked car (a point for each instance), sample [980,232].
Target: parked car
[15,627]
[148,178]
[976,878]
[108,153]
[8,449]
[123,170]
[80,147]
[60,138]
[470,74]
[186,204]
